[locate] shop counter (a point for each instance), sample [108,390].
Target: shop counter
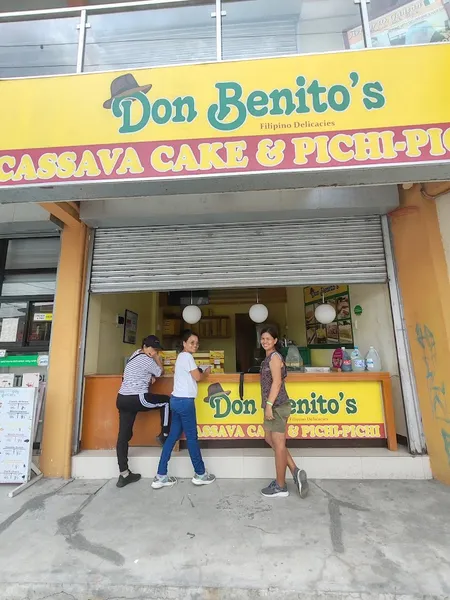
[325,406]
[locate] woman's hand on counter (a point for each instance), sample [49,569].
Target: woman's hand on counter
[205,373]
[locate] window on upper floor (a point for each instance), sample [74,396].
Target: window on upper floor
[405,22]
[161,35]
[46,46]
[263,28]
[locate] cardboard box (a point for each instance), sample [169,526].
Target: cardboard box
[171,327]
[168,357]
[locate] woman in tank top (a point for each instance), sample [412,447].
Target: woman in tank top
[277,408]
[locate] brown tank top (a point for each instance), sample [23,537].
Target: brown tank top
[267,380]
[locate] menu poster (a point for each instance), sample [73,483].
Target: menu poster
[130,327]
[340,331]
[16,433]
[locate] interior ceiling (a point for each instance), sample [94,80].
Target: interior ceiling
[277,295]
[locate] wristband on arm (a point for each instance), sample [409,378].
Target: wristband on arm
[269,403]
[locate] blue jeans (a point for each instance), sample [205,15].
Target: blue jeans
[183,419]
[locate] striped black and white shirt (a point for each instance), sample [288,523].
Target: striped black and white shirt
[138,373]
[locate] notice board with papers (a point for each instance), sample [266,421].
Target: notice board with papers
[17,418]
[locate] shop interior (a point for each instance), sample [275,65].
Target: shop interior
[117,323]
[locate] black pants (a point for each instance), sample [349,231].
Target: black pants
[128,407]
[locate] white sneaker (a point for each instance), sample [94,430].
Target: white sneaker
[204,479]
[163,481]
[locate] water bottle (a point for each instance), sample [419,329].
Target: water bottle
[373,361]
[358,362]
[294,361]
[346,361]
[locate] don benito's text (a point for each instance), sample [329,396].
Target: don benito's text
[233,106]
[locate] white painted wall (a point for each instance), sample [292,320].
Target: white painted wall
[21,218]
[105,350]
[443,208]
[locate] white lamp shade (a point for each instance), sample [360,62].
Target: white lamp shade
[258,313]
[192,314]
[325,314]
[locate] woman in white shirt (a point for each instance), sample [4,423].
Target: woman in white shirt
[182,404]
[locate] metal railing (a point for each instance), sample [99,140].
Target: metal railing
[151,33]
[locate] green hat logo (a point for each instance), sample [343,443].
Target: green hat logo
[215,390]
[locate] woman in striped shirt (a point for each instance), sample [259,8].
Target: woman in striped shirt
[140,372]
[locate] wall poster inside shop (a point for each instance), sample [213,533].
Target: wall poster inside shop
[340,331]
[130,327]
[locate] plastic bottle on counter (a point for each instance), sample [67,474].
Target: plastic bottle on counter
[358,362]
[294,361]
[373,361]
[336,361]
[346,361]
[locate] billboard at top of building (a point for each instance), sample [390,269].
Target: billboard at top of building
[416,22]
[343,110]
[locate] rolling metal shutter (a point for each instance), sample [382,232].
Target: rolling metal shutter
[302,252]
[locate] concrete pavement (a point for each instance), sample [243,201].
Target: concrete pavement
[88,540]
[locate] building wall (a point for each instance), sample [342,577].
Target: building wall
[105,350]
[425,287]
[443,211]
[17,219]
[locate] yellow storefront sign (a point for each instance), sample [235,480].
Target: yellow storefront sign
[316,293]
[317,112]
[322,410]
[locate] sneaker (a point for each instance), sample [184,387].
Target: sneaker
[301,481]
[130,478]
[205,479]
[275,491]
[161,481]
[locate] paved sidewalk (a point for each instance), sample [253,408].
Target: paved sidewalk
[88,540]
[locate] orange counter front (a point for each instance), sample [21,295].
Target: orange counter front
[338,406]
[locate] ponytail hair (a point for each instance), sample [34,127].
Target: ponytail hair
[274,333]
[184,338]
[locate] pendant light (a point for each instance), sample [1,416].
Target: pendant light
[325,313]
[192,314]
[258,313]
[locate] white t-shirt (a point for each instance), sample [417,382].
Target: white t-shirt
[184,385]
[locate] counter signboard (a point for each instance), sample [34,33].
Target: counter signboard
[323,410]
[328,111]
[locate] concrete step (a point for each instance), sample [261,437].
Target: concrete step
[249,463]
[147,592]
